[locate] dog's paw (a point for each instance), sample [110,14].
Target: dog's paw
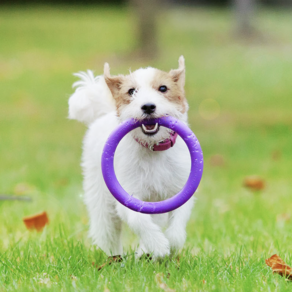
[176,239]
[161,253]
[157,246]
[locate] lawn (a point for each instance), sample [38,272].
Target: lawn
[240,109]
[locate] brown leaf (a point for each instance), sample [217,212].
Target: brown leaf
[276,155]
[254,183]
[61,182]
[279,266]
[23,189]
[217,160]
[110,260]
[37,221]
[285,217]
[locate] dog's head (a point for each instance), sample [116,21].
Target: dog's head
[147,94]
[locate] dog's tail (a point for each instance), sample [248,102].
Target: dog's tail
[91,99]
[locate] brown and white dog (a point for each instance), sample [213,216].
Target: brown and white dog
[103,102]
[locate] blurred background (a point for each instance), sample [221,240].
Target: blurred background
[238,84]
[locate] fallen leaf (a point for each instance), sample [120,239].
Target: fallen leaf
[161,284]
[23,189]
[217,160]
[254,183]
[110,260]
[279,266]
[285,217]
[62,182]
[37,221]
[276,155]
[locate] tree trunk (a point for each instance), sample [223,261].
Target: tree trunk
[244,12]
[146,14]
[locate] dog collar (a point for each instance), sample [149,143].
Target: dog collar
[161,145]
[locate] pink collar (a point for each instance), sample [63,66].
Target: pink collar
[161,145]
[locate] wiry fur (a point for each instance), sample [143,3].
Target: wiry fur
[91,100]
[102,103]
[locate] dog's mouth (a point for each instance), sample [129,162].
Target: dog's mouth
[150,130]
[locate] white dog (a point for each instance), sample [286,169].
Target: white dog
[146,164]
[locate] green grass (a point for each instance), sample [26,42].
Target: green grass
[232,230]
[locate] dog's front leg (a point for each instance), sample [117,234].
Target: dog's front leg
[152,239]
[176,231]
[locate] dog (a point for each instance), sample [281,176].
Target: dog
[151,162]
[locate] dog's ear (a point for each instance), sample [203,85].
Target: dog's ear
[113,82]
[178,75]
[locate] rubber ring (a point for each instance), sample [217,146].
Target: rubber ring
[196,172]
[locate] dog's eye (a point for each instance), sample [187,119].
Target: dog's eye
[131,91]
[162,88]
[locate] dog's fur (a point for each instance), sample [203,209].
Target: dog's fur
[103,102]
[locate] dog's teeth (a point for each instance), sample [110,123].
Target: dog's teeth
[150,131]
[144,128]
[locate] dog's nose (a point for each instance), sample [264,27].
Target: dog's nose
[148,108]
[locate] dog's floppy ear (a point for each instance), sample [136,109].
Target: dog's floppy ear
[113,82]
[178,75]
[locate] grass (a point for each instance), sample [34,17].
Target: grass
[247,84]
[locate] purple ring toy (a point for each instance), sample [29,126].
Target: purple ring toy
[107,165]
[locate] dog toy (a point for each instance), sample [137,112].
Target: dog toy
[107,165]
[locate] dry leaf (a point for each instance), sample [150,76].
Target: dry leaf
[37,221]
[276,155]
[161,284]
[23,189]
[217,160]
[62,182]
[110,260]
[285,217]
[279,267]
[254,183]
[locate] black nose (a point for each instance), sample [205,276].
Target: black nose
[148,108]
